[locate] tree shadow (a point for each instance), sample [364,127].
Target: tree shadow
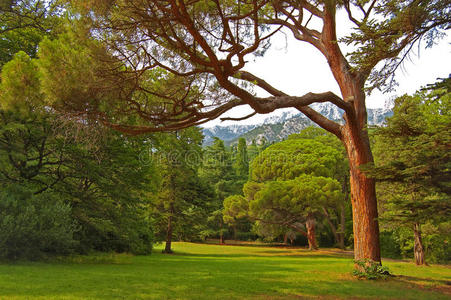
[443,286]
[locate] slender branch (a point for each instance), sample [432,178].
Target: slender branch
[239,119]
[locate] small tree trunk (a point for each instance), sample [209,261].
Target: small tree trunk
[418,245]
[332,226]
[310,225]
[167,248]
[341,233]
[285,239]
[221,235]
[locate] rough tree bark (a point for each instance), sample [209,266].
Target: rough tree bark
[363,194]
[355,138]
[167,248]
[310,226]
[418,245]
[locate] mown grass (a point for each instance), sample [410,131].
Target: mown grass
[198,271]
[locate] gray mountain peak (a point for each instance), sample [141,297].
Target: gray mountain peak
[280,126]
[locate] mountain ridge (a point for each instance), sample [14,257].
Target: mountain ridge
[279,127]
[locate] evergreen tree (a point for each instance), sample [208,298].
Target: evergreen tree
[181,198]
[241,164]
[217,170]
[276,170]
[414,163]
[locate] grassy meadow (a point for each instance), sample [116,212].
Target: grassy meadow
[201,271]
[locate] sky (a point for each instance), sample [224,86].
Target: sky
[298,68]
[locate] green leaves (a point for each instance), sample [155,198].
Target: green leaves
[413,149]
[69,72]
[296,156]
[19,87]
[33,226]
[235,207]
[294,198]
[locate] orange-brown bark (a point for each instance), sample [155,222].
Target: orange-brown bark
[310,226]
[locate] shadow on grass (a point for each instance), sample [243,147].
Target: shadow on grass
[435,284]
[261,254]
[200,277]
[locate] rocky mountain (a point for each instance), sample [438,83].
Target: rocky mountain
[226,133]
[279,127]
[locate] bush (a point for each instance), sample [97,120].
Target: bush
[371,270]
[33,226]
[116,228]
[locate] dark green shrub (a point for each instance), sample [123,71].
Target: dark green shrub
[33,226]
[371,270]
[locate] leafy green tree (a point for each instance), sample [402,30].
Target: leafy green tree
[291,203]
[180,199]
[241,164]
[98,173]
[414,163]
[29,151]
[288,159]
[336,215]
[275,169]
[217,171]
[109,187]
[252,150]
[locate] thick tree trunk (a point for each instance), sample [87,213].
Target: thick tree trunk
[285,239]
[364,203]
[355,138]
[418,245]
[310,225]
[167,248]
[363,189]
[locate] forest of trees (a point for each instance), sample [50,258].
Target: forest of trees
[101,149]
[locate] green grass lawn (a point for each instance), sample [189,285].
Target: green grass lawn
[199,271]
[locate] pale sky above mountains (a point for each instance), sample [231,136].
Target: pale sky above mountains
[298,68]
